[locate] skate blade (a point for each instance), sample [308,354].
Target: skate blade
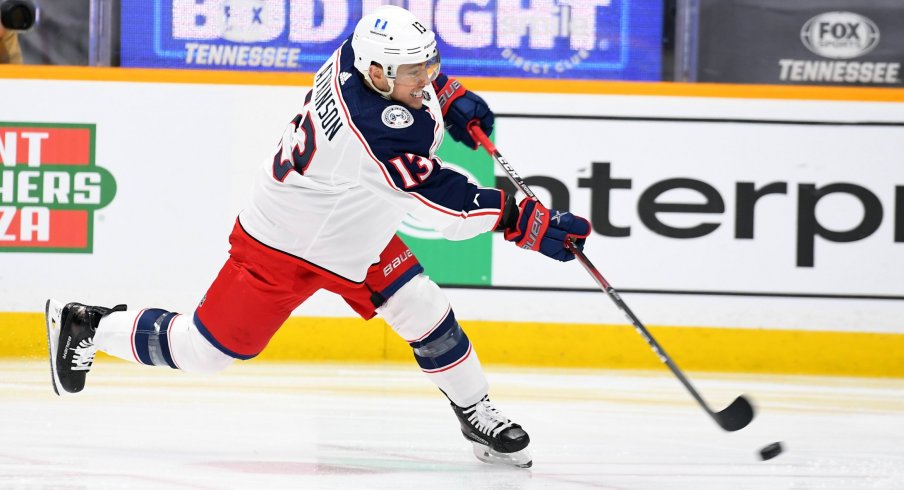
[520,459]
[52,313]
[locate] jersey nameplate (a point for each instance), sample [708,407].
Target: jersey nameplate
[325,102]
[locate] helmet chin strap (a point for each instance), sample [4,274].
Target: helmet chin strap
[385,94]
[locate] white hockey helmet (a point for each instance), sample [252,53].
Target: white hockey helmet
[393,36]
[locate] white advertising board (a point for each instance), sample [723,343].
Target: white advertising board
[678,204]
[182,157]
[717,211]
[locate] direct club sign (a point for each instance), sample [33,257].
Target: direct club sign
[611,39]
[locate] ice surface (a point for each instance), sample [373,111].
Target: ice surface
[262,425]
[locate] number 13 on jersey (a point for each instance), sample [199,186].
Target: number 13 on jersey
[298,147]
[410,179]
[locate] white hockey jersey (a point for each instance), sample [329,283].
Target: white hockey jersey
[350,166]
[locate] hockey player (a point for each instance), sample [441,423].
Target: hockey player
[358,157]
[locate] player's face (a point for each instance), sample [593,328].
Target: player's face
[410,82]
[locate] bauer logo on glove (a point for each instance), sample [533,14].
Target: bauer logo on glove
[546,230]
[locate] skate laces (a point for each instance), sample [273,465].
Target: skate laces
[83,354]
[486,418]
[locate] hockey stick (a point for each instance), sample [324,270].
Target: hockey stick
[734,417]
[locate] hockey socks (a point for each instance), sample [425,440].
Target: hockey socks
[157,337]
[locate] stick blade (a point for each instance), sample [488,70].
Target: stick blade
[735,416]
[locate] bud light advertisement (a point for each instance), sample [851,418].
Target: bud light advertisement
[578,39]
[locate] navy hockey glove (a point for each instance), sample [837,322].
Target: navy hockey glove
[546,230]
[460,107]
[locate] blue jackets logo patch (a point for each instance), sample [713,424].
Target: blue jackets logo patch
[398,117]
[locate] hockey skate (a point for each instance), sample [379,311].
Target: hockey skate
[70,339]
[496,439]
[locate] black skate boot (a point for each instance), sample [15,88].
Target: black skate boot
[495,438]
[70,338]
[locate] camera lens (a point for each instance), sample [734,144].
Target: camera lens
[18,15]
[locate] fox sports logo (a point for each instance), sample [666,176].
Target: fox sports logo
[840,35]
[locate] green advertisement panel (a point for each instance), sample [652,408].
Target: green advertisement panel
[465,262]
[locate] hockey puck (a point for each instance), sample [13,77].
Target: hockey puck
[771,451]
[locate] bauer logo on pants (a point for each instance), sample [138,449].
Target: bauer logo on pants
[50,187]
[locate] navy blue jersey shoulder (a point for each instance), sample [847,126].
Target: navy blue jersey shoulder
[390,128]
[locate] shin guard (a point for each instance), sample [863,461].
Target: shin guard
[157,337]
[420,313]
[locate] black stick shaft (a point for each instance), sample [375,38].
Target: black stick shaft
[638,325]
[737,415]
